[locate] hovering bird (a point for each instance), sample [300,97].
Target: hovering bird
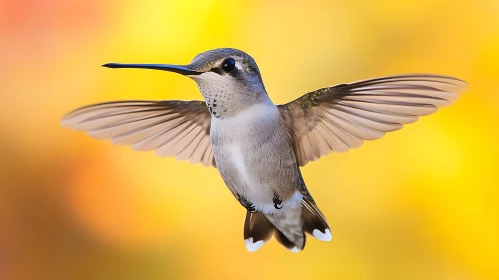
[258,147]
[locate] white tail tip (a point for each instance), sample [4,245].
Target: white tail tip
[252,247]
[326,236]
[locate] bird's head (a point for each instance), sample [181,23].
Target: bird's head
[229,79]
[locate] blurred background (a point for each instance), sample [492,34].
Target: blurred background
[420,203]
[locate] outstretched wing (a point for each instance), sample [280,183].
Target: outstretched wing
[341,117]
[172,128]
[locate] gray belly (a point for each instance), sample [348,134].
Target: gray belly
[256,161]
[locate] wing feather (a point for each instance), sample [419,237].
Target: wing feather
[340,117]
[173,128]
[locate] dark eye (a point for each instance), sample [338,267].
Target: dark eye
[228,65]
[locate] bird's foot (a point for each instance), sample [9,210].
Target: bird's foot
[246,204]
[277,201]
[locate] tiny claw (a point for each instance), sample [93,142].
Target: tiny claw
[277,201]
[246,204]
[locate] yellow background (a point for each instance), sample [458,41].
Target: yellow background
[420,203]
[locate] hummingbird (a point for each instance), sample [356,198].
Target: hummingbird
[258,147]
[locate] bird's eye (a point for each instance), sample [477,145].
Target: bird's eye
[228,65]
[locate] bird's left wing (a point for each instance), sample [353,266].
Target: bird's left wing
[340,117]
[172,128]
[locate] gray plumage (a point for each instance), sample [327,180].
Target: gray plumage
[258,146]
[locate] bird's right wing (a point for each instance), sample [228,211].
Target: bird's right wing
[172,128]
[340,117]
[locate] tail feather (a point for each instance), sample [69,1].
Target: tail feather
[257,230]
[289,227]
[288,244]
[289,223]
[314,222]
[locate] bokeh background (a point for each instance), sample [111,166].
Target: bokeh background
[420,203]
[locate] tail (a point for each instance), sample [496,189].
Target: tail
[288,227]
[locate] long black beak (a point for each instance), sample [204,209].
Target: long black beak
[165,67]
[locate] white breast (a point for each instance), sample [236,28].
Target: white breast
[255,115]
[235,138]
[237,157]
